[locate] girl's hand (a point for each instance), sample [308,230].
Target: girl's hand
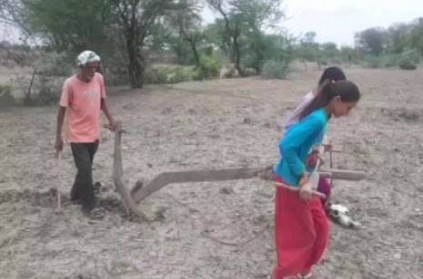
[306,191]
[304,179]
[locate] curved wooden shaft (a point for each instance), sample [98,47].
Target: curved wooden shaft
[130,206]
[141,191]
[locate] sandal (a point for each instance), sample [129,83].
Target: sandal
[95,213]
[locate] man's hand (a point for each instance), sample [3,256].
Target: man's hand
[58,145]
[115,125]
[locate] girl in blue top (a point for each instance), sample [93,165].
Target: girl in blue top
[330,74]
[301,224]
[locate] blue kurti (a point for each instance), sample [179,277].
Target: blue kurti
[298,144]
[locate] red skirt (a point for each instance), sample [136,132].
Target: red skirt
[302,233]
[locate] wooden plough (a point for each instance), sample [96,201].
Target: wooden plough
[142,190]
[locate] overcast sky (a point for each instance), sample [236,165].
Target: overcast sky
[338,20]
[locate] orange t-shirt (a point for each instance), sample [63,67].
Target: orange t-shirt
[83,102]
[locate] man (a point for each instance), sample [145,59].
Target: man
[84,96]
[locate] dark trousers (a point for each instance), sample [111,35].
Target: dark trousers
[83,190]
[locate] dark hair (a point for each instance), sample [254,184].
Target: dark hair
[345,89]
[332,74]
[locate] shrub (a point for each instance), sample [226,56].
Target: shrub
[371,61]
[209,68]
[165,75]
[6,98]
[274,69]
[409,60]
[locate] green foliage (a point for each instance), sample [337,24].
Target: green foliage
[372,61]
[6,98]
[167,75]
[389,60]
[181,49]
[307,49]
[209,68]
[347,54]
[401,44]
[71,26]
[214,34]
[406,64]
[181,74]
[48,90]
[244,23]
[372,41]
[329,51]
[416,36]
[409,59]
[55,64]
[267,47]
[273,69]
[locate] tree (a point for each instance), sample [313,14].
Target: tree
[243,16]
[348,54]
[371,41]
[136,19]
[398,37]
[187,21]
[215,34]
[416,36]
[329,50]
[308,49]
[12,12]
[71,26]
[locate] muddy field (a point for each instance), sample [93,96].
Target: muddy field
[214,124]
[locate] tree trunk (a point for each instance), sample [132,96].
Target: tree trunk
[136,64]
[237,53]
[194,51]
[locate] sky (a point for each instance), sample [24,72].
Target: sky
[338,20]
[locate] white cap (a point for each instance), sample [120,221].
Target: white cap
[87,56]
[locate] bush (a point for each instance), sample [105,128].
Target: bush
[371,61]
[165,75]
[47,90]
[209,68]
[6,98]
[180,74]
[389,60]
[55,64]
[155,76]
[116,75]
[274,69]
[409,60]
[43,90]
[407,64]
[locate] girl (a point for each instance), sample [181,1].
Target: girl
[330,74]
[301,224]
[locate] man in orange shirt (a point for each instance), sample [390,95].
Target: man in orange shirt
[84,96]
